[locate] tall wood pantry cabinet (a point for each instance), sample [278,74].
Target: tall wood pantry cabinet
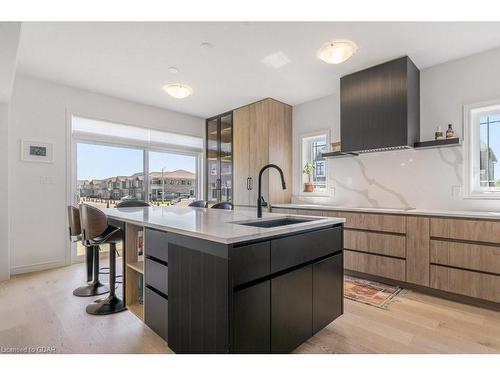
[262,134]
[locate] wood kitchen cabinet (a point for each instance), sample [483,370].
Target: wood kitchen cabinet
[262,135]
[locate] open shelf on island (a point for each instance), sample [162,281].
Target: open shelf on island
[137,266]
[438,143]
[137,309]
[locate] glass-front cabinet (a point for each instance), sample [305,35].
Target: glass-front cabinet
[219,158]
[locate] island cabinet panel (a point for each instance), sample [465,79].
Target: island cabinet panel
[466,255]
[156,244]
[469,283]
[293,250]
[250,262]
[252,319]
[377,243]
[375,222]
[198,297]
[328,291]
[468,230]
[291,310]
[391,268]
[156,312]
[417,250]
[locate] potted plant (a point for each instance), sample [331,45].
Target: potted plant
[308,170]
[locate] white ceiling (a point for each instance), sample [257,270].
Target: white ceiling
[130,60]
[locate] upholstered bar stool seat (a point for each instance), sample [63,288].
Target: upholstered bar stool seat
[94,286]
[96,231]
[200,204]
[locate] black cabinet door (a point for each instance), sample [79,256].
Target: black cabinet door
[252,315]
[291,310]
[328,291]
[156,313]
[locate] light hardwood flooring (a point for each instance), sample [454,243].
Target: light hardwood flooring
[39,310]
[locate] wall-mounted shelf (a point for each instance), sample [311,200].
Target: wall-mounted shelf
[438,143]
[338,154]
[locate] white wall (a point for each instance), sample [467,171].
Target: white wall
[39,111]
[408,178]
[4,198]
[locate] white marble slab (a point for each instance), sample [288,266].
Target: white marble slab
[212,224]
[491,215]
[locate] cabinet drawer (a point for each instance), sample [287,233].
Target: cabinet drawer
[469,283]
[378,265]
[279,210]
[156,313]
[377,222]
[301,248]
[156,244]
[250,262]
[464,255]
[156,275]
[472,230]
[328,291]
[309,212]
[378,243]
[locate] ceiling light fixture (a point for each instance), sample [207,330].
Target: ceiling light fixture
[178,90]
[337,51]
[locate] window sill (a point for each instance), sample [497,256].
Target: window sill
[314,194]
[483,196]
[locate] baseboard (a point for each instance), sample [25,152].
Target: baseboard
[36,267]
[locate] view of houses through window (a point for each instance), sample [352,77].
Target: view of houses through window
[108,174]
[312,149]
[489,130]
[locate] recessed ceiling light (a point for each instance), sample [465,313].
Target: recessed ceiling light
[173,70]
[178,90]
[337,51]
[206,45]
[276,60]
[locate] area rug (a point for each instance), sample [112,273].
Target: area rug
[369,292]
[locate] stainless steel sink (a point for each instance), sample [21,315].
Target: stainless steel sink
[272,223]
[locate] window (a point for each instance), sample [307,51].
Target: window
[312,148]
[482,136]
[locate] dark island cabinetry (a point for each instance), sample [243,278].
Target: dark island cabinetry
[263,296]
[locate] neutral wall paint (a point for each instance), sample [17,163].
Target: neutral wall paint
[430,179]
[4,189]
[39,111]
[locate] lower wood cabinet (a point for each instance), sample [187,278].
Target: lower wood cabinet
[328,285]
[291,310]
[156,312]
[390,268]
[252,319]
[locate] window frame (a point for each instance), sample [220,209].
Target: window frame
[302,137]
[472,144]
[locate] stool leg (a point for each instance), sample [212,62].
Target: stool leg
[112,304]
[89,260]
[95,287]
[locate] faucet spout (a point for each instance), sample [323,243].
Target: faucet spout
[259,196]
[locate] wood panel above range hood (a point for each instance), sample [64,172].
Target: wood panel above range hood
[380,107]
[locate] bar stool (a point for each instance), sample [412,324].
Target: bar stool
[200,204]
[223,205]
[96,231]
[94,286]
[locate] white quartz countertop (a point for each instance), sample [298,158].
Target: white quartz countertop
[491,215]
[212,224]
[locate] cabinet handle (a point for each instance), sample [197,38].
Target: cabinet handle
[251,183]
[248,183]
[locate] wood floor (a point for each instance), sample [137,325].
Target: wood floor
[39,310]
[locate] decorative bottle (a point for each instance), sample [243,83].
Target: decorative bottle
[450,133]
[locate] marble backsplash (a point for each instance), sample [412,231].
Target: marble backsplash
[415,178]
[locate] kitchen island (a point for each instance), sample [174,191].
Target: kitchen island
[219,281]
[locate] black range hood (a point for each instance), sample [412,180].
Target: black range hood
[380,107]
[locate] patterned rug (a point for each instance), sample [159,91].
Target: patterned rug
[369,292]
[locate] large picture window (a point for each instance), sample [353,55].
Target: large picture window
[482,136]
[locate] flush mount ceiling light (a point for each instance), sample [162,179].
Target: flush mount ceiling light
[178,90]
[173,69]
[337,51]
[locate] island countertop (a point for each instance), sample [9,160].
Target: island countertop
[212,224]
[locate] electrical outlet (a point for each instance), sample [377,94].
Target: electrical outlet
[332,191]
[46,180]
